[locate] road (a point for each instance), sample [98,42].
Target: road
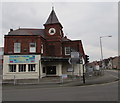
[97,92]
[114,73]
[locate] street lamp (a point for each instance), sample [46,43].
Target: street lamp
[101,47]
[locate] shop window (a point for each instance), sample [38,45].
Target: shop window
[22,67]
[12,68]
[32,47]
[67,51]
[17,48]
[31,67]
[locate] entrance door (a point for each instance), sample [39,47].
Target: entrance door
[51,70]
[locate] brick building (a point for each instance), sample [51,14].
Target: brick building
[33,53]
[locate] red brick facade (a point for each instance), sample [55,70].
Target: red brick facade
[53,45]
[36,53]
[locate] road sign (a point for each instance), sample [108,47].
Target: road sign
[64,76]
[75,55]
[75,61]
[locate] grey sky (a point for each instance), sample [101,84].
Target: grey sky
[85,21]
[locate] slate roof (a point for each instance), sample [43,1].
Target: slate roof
[23,31]
[52,18]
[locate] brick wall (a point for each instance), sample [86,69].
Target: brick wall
[24,40]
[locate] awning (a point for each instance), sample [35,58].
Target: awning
[54,59]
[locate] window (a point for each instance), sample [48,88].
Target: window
[67,51]
[43,69]
[16,47]
[22,67]
[32,47]
[31,67]
[12,68]
[42,49]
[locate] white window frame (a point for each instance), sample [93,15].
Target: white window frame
[17,47]
[30,69]
[42,50]
[22,68]
[66,50]
[32,49]
[12,67]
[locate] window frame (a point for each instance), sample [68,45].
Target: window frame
[32,49]
[67,51]
[42,48]
[12,67]
[30,67]
[22,67]
[17,47]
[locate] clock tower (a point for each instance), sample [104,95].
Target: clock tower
[53,35]
[53,28]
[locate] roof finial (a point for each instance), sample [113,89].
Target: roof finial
[52,6]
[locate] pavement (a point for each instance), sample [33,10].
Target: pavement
[106,78]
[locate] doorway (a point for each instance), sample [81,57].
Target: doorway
[51,70]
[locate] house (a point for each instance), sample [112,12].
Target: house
[114,62]
[95,65]
[36,53]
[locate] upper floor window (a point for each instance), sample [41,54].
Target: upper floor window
[17,48]
[67,51]
[32,47]
[42,49]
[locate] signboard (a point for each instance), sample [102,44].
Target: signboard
[64,76]
[70,70]
[75,61]
[75,58]
[22,59]
[74,54]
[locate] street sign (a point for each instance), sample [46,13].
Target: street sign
[64,76]
[75,58]
[75,55]
[75,61]
[69,61]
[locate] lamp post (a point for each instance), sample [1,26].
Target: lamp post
[101,48]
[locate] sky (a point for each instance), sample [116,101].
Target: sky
[85,21]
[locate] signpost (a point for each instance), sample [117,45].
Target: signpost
[76,59]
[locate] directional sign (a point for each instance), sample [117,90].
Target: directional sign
[75,61]
[75,55]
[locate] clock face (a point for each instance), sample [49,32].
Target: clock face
[52,31]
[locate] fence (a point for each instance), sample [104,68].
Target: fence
[46,80]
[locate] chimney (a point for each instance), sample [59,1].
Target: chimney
[65,37]
[11,30]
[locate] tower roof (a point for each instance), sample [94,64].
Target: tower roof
[52,19]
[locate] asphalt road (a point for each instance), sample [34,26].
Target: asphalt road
[114,73]
[97,92]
